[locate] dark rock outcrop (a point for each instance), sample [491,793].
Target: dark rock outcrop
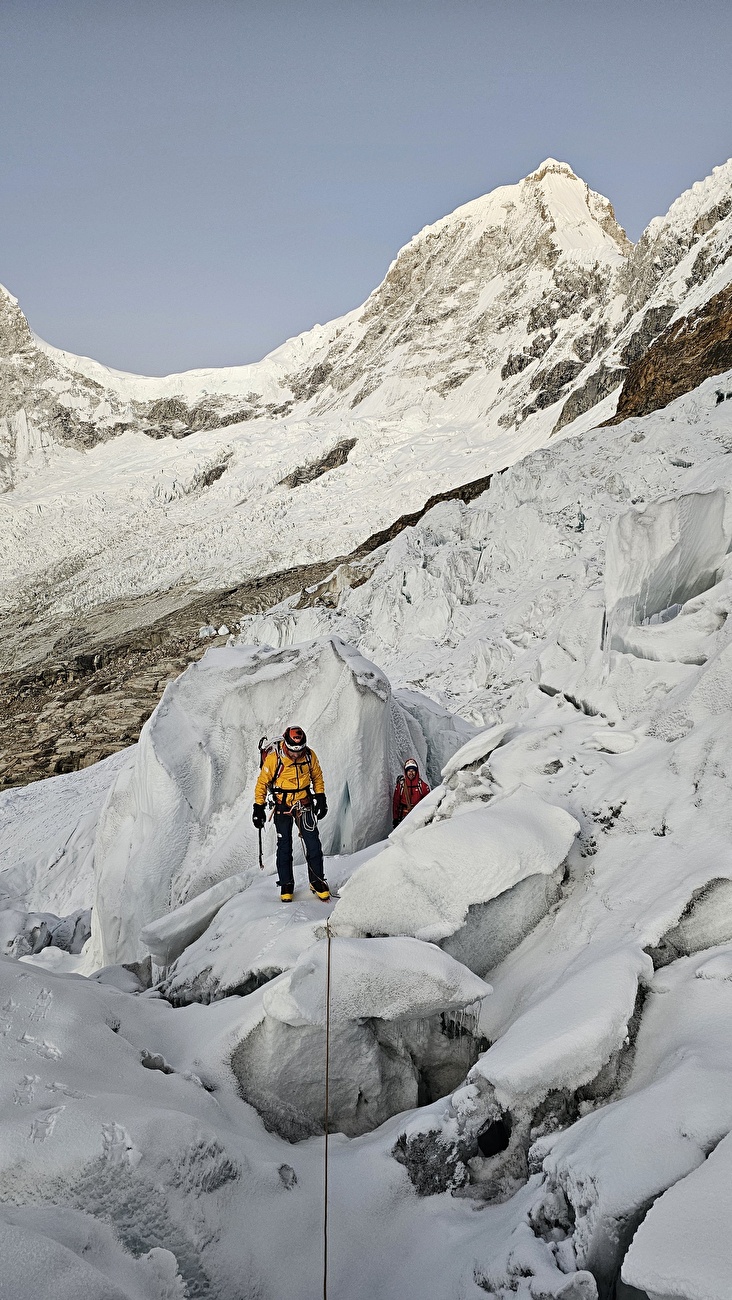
[337,455]
[655,320]
[686,353]
[599,384]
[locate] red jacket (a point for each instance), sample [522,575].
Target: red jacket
[407,795]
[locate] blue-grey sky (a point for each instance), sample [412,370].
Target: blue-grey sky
[189,182]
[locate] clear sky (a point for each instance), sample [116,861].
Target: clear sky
[189,182]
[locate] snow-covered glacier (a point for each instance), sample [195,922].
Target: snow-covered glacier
[495,329]
[524,990]
[547,1063]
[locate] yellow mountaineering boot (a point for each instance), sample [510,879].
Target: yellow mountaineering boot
[323,893]
[285,897]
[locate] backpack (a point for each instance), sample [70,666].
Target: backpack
[267,747]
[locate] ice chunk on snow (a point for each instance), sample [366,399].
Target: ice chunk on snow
[565,1038]
[613,742]
[24,934]
[388,1039]
[179,820]
[390,979]
[682,1250]
[424,883]
[673,1109]
[475,749]
[166,938]
[251,939]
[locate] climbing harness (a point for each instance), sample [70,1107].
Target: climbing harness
[327,1108]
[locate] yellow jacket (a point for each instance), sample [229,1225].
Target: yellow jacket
[297,772]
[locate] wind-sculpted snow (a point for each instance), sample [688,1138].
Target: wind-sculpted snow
[390,979]
[426,880]
[178,820]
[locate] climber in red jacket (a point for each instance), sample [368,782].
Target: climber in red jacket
[408,791]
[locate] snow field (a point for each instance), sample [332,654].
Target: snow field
[607,1060]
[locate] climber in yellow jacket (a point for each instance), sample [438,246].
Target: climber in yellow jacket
[292,776]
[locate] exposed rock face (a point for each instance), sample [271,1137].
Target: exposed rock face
[687,352]
[600,384]
[655,320]
[332,460]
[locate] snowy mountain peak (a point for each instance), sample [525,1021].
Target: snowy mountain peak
[552,165]
[580,219]
[496,327]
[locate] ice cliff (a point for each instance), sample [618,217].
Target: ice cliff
[178,817]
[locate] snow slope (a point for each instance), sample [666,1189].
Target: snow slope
[600,1058]
[515,315]
[532,1003]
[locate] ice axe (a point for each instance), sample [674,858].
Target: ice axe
[261,854]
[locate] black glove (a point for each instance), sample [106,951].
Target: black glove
[259,816]
[321,806]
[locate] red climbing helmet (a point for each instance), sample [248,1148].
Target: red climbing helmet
[295,739]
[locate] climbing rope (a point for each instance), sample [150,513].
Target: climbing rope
[327,1107]
[326,1116]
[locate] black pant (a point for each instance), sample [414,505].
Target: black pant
[313,849]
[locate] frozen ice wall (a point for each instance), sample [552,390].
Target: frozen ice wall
[178,820]
[659,557]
